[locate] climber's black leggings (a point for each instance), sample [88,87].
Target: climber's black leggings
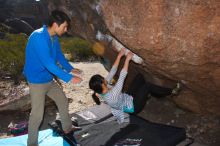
[140,89]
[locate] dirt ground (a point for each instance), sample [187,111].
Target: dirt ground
[205,129]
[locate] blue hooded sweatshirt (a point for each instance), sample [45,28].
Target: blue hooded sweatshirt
[43,53]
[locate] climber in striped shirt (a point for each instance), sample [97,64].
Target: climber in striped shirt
[134,100]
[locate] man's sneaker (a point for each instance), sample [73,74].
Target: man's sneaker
[73,129]
[177,89]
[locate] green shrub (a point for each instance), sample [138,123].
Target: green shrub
[79,49]
[12,55]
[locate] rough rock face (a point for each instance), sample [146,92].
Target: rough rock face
[179,40]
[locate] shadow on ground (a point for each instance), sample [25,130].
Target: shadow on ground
[205,129]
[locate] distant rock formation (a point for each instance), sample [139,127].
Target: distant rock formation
[19,25]
[23,15]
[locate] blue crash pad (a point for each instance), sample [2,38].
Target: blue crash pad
[46,138]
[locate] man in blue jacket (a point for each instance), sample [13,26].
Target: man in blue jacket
[45,60]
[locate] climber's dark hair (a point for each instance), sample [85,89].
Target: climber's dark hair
[96,99]
[58,17]
[95,84]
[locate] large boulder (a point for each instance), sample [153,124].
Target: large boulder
[178,40]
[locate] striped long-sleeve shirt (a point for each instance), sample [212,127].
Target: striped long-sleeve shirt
[119,102]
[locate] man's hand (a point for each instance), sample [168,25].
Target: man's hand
[76,80]
[77,72]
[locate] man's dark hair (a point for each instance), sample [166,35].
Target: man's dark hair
[58,17]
